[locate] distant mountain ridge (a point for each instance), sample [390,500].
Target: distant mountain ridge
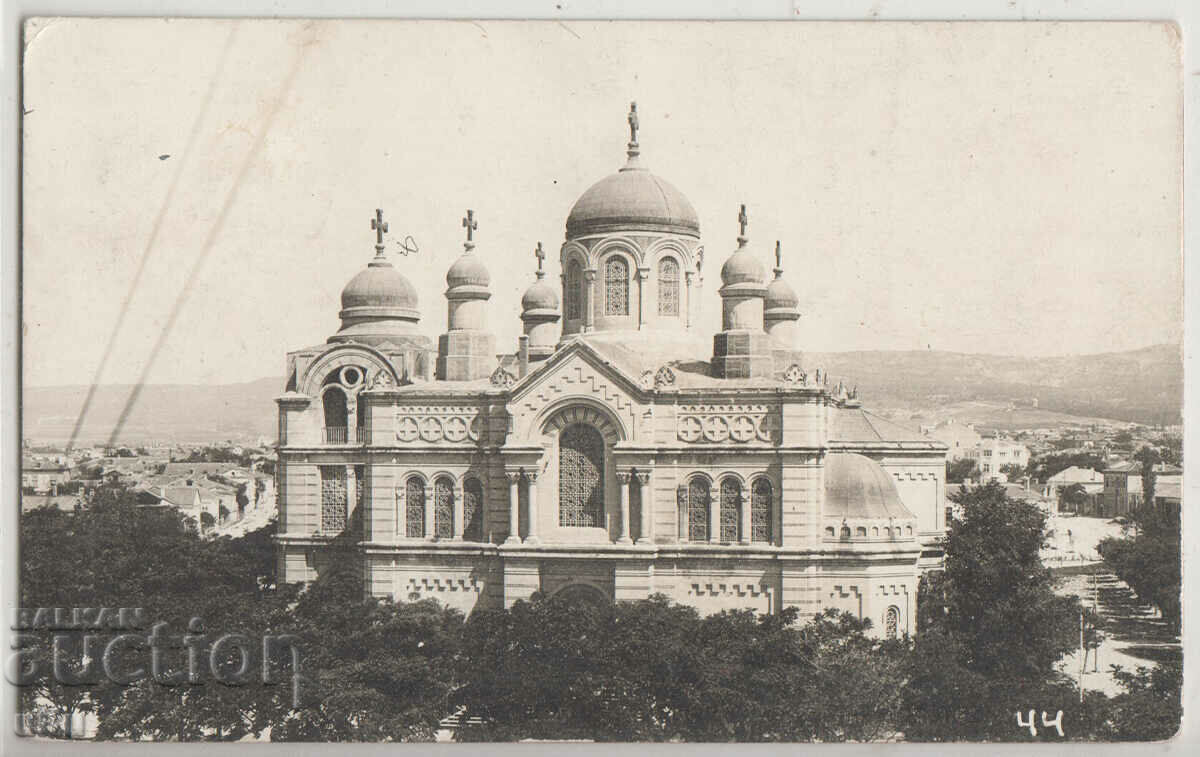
[1144,386]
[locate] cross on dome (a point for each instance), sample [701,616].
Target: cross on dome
[633,124]
[470,224]
[380,227]
[743,222]
[540,254]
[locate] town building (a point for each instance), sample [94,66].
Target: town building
[992,453]
[1123,492]
[1092,481]
[44,475]
[618,452]
[960,438]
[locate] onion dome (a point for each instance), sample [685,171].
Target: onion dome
[379,286]
[632,199]
[468,270]
[379,302]
[540,295]
[858,487]
[780,295]
[742,267]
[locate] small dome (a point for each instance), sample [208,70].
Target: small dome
[540,296]
[379,286]
[742,268]
[632,199]
[468,270]
[781,295]
[858,487]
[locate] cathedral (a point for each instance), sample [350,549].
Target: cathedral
[617,452]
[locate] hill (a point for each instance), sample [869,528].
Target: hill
[1143,386]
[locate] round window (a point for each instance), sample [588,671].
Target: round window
[351,376]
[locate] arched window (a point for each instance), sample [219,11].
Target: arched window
[891,622]
[829,533]
[333,498]
[845,532]
[668,287]
[731,509]
[581,477]
[616,286]
[414,508]
[473,510]
[875,531]
[336,415]
[443,508]
[574,295]
[861,531]
[760,510]
[698,496]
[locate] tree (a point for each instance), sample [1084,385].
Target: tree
[653,670]
[1150,562]
[1150,708]
[958,471]
[990,627]
[1013,471]
[1072,498]
[1148,457]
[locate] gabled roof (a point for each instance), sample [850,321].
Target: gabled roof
[185,496]
[853,424]
[1075,474]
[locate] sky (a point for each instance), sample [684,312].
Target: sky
[207,185]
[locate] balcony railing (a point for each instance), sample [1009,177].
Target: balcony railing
[341,435]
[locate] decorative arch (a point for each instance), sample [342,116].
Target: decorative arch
[343,355]
[583,593]
[570,410]
[619,244]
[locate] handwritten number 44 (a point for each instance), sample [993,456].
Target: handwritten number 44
[1046,722]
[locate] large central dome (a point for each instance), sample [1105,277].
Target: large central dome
[632,199]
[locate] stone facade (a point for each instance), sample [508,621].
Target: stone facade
[624,462]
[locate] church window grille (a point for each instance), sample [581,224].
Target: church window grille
[760,511]
[414,508]
[616,287]
[443,508]
[668,287]
[891,622]
[333,498]
[574,296]
[731,506]
[698,497]
[473,510]
[581,477]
